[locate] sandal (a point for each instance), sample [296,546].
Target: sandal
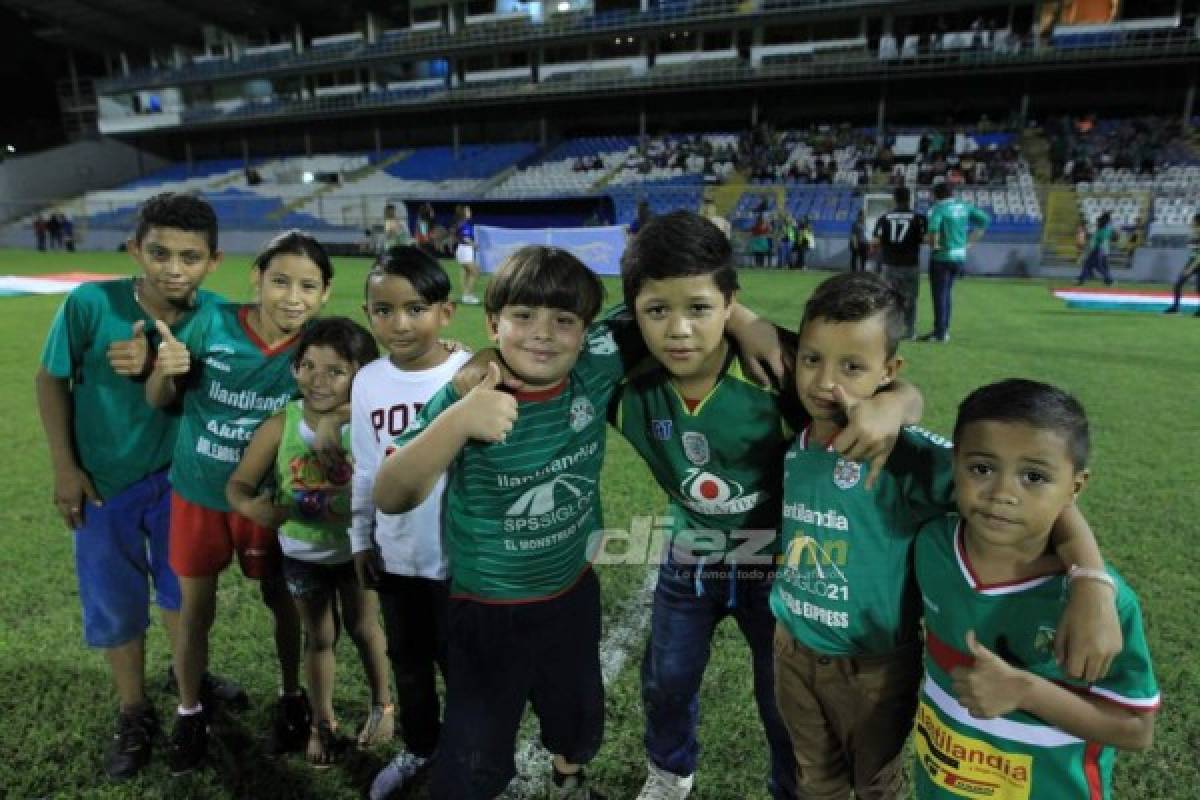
[380,726]
[324,745]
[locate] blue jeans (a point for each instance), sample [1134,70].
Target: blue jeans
[689,602]
[785,254]
[941,283]
[1096,261]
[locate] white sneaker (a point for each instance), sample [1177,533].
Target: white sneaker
[401,769]
[663,785]
[470,300]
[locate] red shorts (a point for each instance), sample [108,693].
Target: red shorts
[203,541]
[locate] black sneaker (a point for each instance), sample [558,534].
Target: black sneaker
[290,722]
[189,743]
[215,691]
[132,743]
[1172,310]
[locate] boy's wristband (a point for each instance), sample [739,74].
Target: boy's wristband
[1077,572]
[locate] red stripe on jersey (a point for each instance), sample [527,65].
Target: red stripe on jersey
[945,656]
[690,403]
[960,545]
[1091,770]
[256,340]
[540,395]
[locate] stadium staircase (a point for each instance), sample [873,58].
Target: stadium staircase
[726,196]
[1059,248]
[297,203]
[1036,150]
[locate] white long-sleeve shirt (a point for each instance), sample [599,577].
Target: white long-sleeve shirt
[384,401]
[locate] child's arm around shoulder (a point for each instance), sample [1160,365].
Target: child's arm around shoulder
[1089,633]
[174,361]
[408,475]
[991,687]
[257,462]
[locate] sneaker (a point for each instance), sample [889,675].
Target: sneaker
[469,300]
[933,337]
[399,772]
[132,743]
[290,722]
[572,787]
[1172,310]
[189,743]
[663,785]
[215,691]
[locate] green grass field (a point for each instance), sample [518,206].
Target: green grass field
[1131,370]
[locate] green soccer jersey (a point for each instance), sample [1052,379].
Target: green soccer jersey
[119,439]
[845,585]
[318,497]
[720,463]
[952,220]
[1102,238]
[1016,756]
[235,383]
[517,517]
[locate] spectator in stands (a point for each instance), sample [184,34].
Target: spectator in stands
[950,231]
[1097,254]
[464,252]
[39,232]
[858,243]
[1191,270]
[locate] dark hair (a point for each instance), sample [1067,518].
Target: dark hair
[420,269]
[1104,219]
[185,212]
[296,243]
[856,296]
[1038,405]
[677,245]
[344,336]
[545,276]
[902,196]
[942,190]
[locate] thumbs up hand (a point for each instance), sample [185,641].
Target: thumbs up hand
[129,357]
[173,356]
[487,413]
[990,687]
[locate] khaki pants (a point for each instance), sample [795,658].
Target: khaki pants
[848,718]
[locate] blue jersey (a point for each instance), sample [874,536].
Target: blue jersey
[466,232]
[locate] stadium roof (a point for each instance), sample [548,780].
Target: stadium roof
[113,25]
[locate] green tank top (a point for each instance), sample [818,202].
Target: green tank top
[320,499]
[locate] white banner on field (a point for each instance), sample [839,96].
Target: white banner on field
[599,248]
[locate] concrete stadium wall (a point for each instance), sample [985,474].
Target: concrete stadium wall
[28,183]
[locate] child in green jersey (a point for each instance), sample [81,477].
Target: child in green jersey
[520,506]
[311,510]
[110,451]
[232,371]
[847,647]
[714,440]
[997,710]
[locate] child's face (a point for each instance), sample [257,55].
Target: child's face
[852,355]
[290,292]
[683,321]
[405,323]
[324,378]
[1013,480]
[174,264]
[539,344]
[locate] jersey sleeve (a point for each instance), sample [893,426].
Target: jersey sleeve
[70,332]
[922,223]
[365,451]
[935,220]
[445,397]
[979,218]
[1130,681]
[614,344]
[878,232]
[927,474]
